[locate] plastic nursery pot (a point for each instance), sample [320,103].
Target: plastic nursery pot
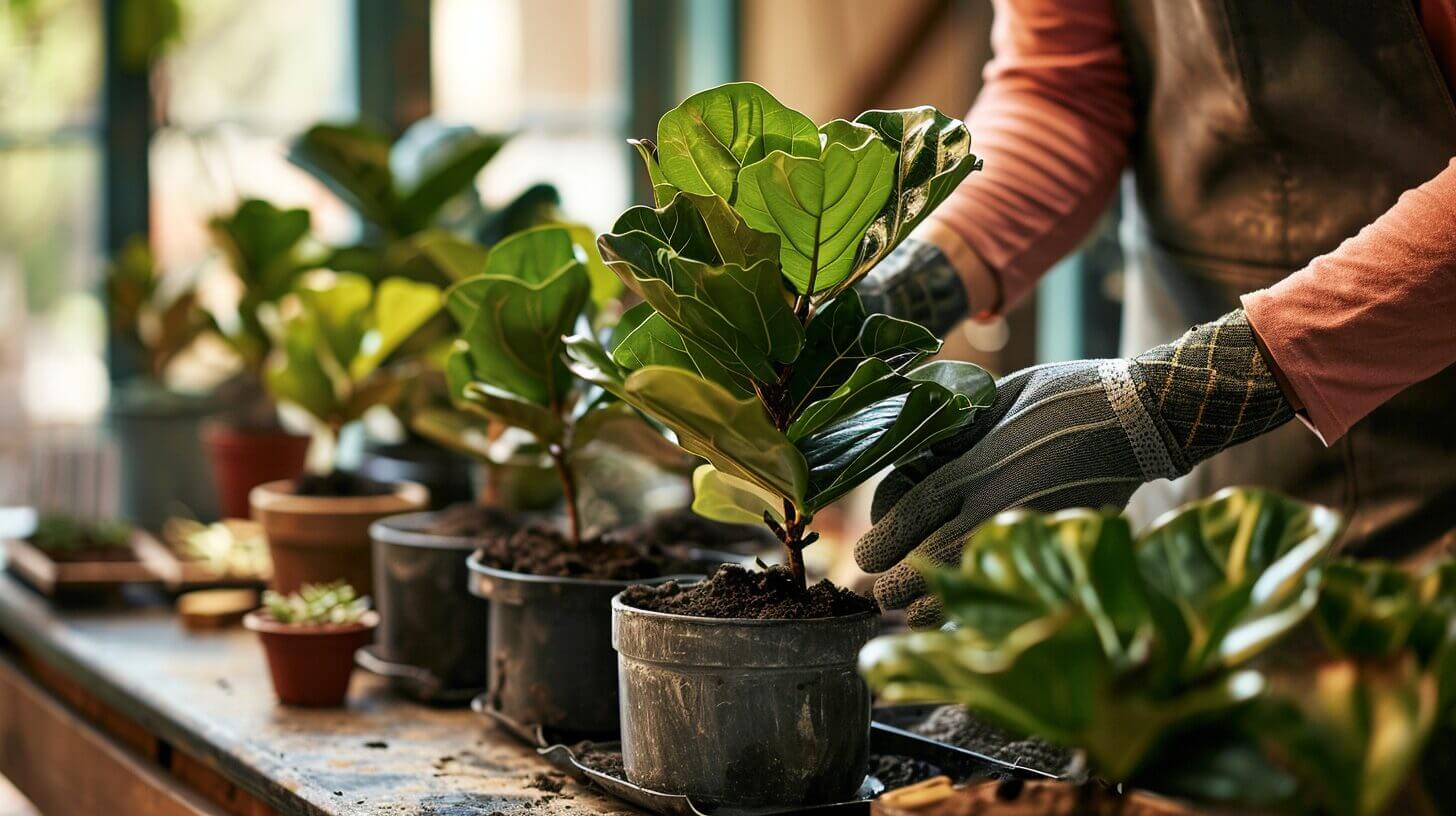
[743,713]
[551,662]
[163,470]
[319,539]
[432,629]
[311,665]
[446,474]
[243,458]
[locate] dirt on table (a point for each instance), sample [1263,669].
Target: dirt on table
[897,770]
[340,485]
[471,520]
[539,550]
[735,592]
[600,759]
[954,725]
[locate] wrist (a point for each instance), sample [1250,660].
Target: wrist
[916,282]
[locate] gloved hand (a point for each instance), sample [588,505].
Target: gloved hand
[1079,434]
[916,282]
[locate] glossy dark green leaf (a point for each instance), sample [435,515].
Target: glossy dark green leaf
[874,380]
[840,337]
[644,338]
[844,454]
[733,433]
[933,156]
[819,206]
[449,169]
[703,142]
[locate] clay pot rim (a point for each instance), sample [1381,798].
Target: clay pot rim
[258,621]
[620,607]
[278,497]
[404,530]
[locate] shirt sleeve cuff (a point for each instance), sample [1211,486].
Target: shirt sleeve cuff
[1317,415]
[983,291]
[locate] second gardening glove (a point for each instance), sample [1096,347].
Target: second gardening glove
[1079,434]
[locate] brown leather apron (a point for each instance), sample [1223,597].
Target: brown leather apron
[1270,132]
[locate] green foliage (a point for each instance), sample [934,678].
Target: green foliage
[146,313]
[264,248]
[56,532]
[751,346]
[317,605]
[1219,655]
[339,351]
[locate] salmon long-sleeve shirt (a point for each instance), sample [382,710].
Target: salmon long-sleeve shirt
[1347,332]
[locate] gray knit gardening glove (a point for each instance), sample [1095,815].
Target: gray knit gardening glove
[1079,434]
[916,282]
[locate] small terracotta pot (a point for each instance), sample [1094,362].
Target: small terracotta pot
[319,539]
[311,665]
[242,459]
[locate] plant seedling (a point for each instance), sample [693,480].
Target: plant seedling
[58,533]
[752,346]
[317,605]
[507,364]
[341,350]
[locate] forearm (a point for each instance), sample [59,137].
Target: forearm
[1052,124]
[1360,324]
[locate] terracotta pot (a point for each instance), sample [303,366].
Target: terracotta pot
[318,539]
[311,665]
[242,459]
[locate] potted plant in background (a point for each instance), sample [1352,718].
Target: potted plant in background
[337,358]
[415,199]
[155,318]
[1215,658]
[755,351]
[549,586]
[246,444]
[309,638]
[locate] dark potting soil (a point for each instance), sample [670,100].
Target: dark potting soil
[734,592]
[954,725]
[599,759]
[540,550]
[684,528]
[471,520]
[897,771]
[338,484]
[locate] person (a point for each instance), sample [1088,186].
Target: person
[1292,197]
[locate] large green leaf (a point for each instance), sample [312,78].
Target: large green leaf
[401,307]
[605,286]
[338,304]
[514,316]
[644,338]
[733,433]
[260,241]
[844,454]
[295,373]
[840,337]
[1237,569]
[448,170]
[738,314]
[933,157]
[819,206]
[703,142]
[874,380]
[721,497]
[353,162]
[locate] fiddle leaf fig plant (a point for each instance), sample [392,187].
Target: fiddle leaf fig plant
[508,365]
[338,354]
[264,248]
[751,345]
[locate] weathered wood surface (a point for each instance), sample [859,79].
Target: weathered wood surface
[207,696]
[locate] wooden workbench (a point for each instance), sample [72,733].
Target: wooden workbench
[121,712]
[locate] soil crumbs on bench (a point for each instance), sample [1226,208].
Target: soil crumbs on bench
[897,771]
[734,592]
[954,725]
[539,550]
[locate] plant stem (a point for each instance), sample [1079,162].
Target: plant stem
[568,491]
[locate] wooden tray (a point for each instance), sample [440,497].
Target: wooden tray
[51,577]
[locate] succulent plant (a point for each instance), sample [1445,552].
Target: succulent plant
[317,605]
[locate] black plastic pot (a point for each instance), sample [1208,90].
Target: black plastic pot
[447,474]
[743,713]
[431,642]
[551,659]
